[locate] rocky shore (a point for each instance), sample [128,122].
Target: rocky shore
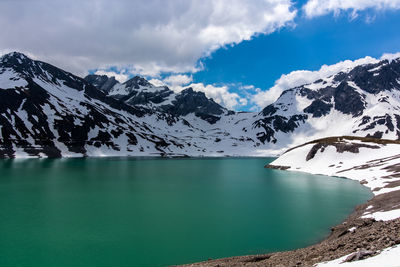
[371,228]
[357,237]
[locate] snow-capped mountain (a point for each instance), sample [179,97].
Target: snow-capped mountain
[102,82]
[360,101]
[139,92]
[45,111]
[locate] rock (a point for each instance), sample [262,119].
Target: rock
[359,255]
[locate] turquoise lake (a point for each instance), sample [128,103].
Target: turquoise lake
[158,212]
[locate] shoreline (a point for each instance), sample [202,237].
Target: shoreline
[368,235]
[372,226]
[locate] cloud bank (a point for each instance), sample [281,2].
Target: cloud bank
[145,36]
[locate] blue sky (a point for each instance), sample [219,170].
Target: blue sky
[310,44]
[307,46]
[233,50]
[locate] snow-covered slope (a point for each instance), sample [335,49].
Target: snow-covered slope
[46,111]
[360,101]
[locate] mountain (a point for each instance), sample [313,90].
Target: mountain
[361,101]
[102,82]
[139,92]
[46,111]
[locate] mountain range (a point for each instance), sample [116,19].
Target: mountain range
[48,112]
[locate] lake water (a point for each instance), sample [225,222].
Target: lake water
[157,212]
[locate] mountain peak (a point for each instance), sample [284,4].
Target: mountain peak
[102,82]
[14,57]
[138,81]
[21,64]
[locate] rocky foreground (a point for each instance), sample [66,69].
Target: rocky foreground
[370,236]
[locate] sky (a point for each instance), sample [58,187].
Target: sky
[241,53]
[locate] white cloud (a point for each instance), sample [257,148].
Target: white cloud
[301,77]
[118,76]
[370,18]
[145,36]
[220,94]
[314,8]
[175,82]
[157,82]
[390,56]
[178,80]
[247,87]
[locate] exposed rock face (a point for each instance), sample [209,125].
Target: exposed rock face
[346,103]
[339,146]
[276,123]
[138,91]
[189,101]
[101,82]
[147,98]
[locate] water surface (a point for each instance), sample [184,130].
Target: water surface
[157,212]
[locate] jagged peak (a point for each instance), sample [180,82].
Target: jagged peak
[93,77]
[190,90]
[17,56]
[97,76]
[138,81]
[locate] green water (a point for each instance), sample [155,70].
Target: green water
[156,212]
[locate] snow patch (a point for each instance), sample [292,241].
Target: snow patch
[352,229]
[384,215]
[10,80]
